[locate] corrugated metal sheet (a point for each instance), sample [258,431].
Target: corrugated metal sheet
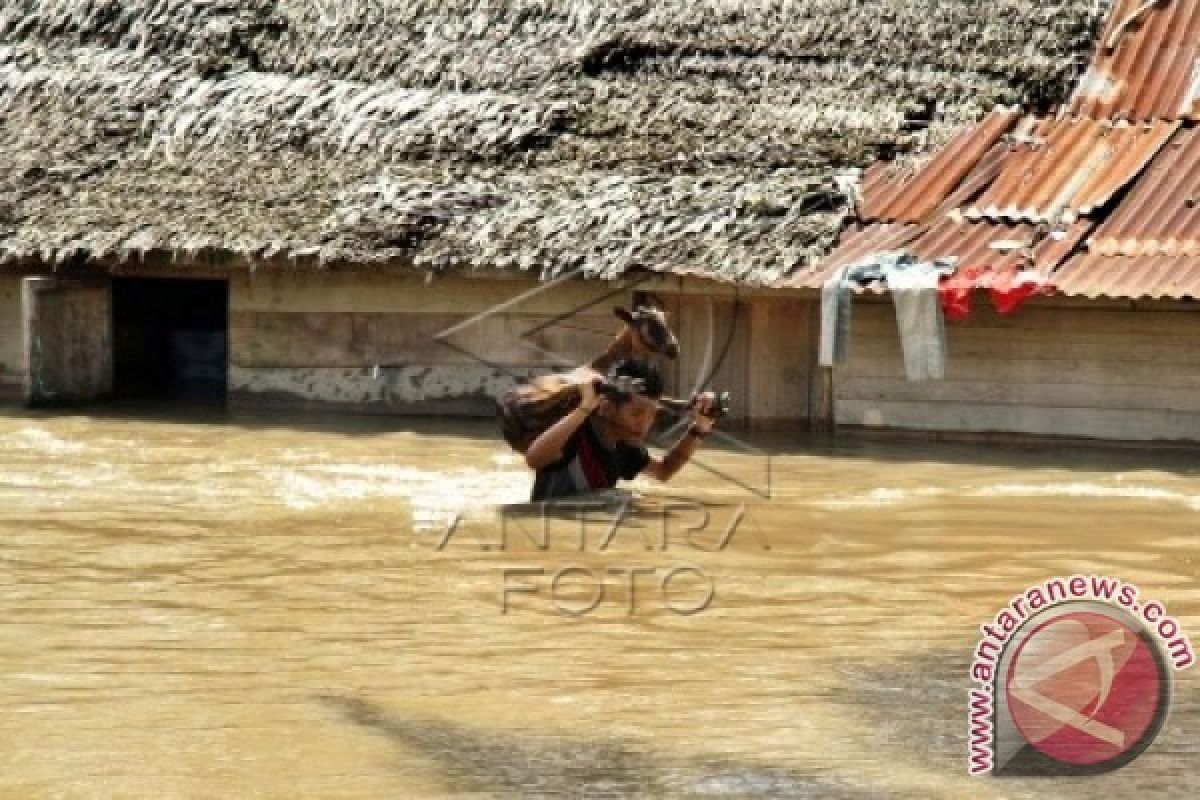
[1145,66]
[976,244]
[1160,215]
[985,172]
[986,197]
[1093,275]
[855,245]
[995,245]
[892,196]
[1068,168]
[1056,248]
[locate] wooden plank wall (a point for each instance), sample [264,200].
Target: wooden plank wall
[71,335]
[1096,372]
[781,362]
[767,359]
[312,340]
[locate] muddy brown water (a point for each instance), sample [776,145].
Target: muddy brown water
[257,606]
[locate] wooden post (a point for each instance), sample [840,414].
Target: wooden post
[820,381]
[823,411]
[31,362]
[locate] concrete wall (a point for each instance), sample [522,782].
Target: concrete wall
[1084,369]
[11,370]
[312,340]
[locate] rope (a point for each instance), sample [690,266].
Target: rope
[720,362]
[737,304]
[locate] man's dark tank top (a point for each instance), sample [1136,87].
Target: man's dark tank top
[587,464]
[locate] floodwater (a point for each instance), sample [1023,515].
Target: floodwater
[298,607]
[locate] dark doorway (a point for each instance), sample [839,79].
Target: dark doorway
[170,339]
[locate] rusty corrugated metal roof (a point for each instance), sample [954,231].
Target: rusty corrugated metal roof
[892,196]
[1122,126]
[976,244]
[1145,65]
[978,179]
[1094,275]
[996,245]
[855,245]
[1148,246]
[1058,246]
[1159,216]
[999,245]
[1059,170]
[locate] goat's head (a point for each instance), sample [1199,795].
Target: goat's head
[651,332]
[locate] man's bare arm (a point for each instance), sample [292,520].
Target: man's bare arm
[665,468]
[547,447]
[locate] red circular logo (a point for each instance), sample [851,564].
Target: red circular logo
[1085,688]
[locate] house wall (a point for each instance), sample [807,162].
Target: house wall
[1082,369]
[760,349]
[11,370]
[311,340]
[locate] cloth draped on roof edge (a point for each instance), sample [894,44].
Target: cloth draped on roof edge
[913,285]
[924,294]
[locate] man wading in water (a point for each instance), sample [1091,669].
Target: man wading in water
[603,438]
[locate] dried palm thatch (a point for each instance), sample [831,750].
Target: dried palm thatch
[536,134]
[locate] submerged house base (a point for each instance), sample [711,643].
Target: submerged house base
[395,342]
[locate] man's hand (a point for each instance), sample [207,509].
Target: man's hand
[702,411]
[586,383]
[548,446]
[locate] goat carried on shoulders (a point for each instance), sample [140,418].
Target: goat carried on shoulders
[527,409]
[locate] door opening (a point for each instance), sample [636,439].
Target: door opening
[170,339]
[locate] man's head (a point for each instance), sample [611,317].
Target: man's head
[633,417]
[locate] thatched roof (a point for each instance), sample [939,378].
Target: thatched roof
[541,134]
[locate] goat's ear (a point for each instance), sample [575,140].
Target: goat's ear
[623,315]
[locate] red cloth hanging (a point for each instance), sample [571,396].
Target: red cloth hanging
[955,292]
[1009,289]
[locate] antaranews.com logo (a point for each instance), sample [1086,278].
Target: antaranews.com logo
[1074,678]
